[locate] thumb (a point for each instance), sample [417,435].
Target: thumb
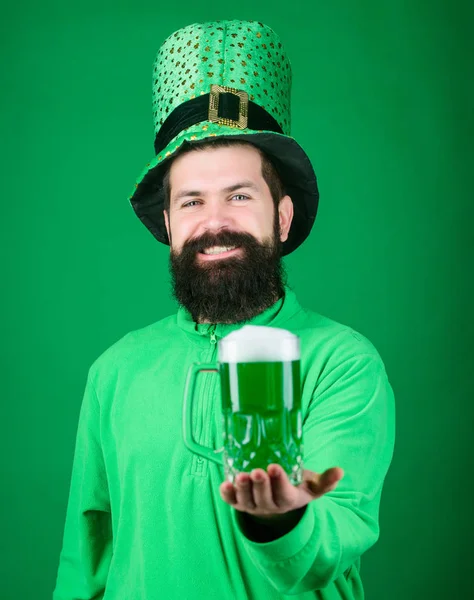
[326,482]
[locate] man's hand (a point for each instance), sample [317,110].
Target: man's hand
[269,494]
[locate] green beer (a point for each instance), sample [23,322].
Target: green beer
[259,369]
[262,424]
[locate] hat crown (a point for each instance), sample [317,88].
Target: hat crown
[246,55]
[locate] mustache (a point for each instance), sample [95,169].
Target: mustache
[223,238]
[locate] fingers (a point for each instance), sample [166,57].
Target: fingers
[262,490]
[228,493]
[271,493]
[239,495]
[283,491]
[243,485]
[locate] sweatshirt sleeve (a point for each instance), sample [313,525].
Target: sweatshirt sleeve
[87,543]
[350,424]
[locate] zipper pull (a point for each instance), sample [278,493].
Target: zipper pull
[212,333]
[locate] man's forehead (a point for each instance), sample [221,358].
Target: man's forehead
[238,156]
[221,169]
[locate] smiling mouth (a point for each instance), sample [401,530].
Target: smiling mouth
[214,250]
[217,252]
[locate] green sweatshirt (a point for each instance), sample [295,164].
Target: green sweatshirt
[145,520]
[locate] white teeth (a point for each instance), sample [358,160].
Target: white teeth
[218,249]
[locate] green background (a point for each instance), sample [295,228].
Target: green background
[383,104]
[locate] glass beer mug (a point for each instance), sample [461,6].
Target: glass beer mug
[259,369]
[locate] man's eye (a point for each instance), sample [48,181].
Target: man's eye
[190,204]
[240,197]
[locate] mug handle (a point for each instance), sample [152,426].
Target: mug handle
[188,438]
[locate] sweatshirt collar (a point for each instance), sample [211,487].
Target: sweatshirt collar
[274,316]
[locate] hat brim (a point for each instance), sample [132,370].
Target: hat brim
[289,158]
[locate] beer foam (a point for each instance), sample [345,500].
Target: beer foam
[256,343]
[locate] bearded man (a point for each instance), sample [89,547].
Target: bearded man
[231,193]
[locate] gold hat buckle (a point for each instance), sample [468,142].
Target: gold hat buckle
[213,116]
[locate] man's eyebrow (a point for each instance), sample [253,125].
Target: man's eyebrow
[242,184]
[227,190]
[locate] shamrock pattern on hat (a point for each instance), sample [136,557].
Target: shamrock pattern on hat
[246,55]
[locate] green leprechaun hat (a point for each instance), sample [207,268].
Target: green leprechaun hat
[230,79]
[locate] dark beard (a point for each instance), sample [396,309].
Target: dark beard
[230,290]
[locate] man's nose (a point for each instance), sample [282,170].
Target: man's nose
[216,216]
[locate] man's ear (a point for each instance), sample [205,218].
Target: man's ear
[285,210]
